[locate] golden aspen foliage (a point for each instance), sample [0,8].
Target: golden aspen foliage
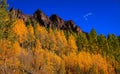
[38,50]
[16,48]
[72,44]
[63,37]
[61,42]
[84,61]
[30,48]
[31,32]
[38,44]
[20,30]
[37,54]
[9,54]
[90,63]
[53,62]
[42,35]
[112,64]
[71,63]
[100,64]
[52,40]
[5,51]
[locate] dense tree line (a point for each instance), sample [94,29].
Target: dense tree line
[34,49]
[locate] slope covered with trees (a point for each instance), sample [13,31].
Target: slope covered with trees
[31,48]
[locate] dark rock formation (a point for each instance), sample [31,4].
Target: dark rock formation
[18,14]
[77,30]
[40,17]
[70,25]
[57,21]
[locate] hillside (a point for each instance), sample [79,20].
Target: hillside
[53,21]
[37,44]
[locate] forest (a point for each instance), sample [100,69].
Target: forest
[30,48]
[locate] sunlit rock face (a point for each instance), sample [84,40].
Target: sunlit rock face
[52,21]
[42,18]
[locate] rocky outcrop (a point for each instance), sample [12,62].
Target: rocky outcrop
[18,14]
[42,18]
[52,21]
[57,21]
[70,26]
[64,25]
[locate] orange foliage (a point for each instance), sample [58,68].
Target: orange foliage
[31,32]
[50,53]
[71,60]
[72,44]
[20,30]
[42,35]
[9,53]
[61,42]
[100,63]
[84,61]
[52,40]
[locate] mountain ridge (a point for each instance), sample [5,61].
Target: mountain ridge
[52,21]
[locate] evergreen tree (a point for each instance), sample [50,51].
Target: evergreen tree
[3,4]
[102,44]
[93,41]
[119,40]
[82,42]
[3,18]
[93,36]
[113,42]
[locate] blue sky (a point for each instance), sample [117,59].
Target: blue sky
[102,15]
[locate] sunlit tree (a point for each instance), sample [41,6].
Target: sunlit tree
[20,30]
[72,44]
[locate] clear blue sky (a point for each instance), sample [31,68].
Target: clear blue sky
[102,15]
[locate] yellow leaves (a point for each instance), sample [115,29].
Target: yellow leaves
[16,48]
[60,37]
[61,42]
[5,49]
[87,61]
[71,60]
[52,60]
[20,30]
[49,52]
[9,53]
[38,44]
[31,31]
[72,44]
[40,30]
[84,60]
[42,35]
[52,40]
[100,63]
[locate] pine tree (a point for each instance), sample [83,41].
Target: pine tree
[102,44]
[113,43]
[3,19]
[92,37]
[3,4]
[82,42]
